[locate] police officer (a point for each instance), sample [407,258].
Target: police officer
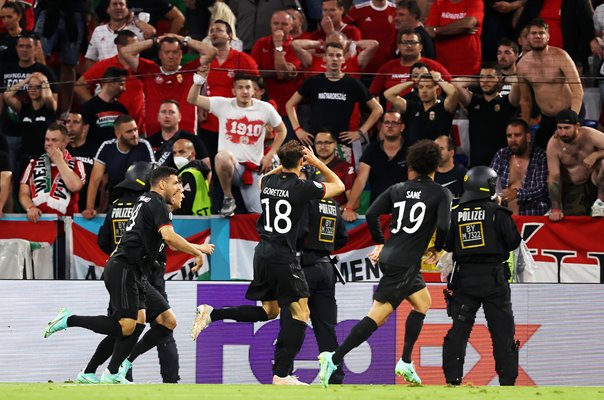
[134,184]
[321,231]
[481,236]
[195,175]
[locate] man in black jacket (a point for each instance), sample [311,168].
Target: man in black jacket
[481,237]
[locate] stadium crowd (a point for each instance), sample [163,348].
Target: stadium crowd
[91,86]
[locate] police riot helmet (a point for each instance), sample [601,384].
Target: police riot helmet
[136,177]
[312,173]
[479,184]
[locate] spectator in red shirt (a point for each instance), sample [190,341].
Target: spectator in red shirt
[298,22]
[356,56]
[332,21]
[278,62]
[398,71]
[133,98]
[375,20]
[54,186]
[169,80]
[456,25]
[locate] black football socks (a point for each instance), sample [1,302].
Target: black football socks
[358,334]
[240,314]
[413,326]
[100,324]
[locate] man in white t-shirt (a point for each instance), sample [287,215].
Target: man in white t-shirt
[102,44]
[241,120]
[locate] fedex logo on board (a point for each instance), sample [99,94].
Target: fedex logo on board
[249,347]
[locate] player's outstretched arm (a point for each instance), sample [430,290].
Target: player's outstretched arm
[178,243]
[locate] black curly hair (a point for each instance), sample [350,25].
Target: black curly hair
[423,157]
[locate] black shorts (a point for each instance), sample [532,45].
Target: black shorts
[418,284]
[285,283]
[156,303]
[397,283]
[126,292]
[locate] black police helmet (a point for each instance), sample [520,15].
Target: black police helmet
[136,177]
[478,184]
[312,173]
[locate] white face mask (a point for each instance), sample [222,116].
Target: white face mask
[180,162]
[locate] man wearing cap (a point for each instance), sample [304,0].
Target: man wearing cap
[575,160]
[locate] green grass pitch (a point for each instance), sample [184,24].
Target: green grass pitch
[19,391]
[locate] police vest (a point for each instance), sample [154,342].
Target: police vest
[474,229]
[121,211]
[201,202]
[323,216]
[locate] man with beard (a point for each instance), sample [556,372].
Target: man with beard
[575,160]
[113,158]
[522,171]
[431,117]
[488,114]
[507,55]
[326,148]
[554,78]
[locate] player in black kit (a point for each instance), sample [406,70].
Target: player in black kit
[156,299]
[321,231]
[148,230]
[418,207]
[278,278]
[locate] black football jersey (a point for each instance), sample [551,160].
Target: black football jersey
[283,198]
[418,207]
[141,241]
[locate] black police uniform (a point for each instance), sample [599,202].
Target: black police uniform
[153,283]
[321,231]
[482,235]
